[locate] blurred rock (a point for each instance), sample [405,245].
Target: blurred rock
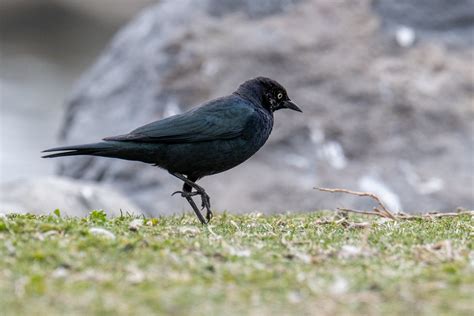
[369,106]
[72,198]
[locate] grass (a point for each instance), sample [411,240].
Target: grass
[300,264]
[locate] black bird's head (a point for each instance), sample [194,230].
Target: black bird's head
[268,93]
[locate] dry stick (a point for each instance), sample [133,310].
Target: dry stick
[384,212]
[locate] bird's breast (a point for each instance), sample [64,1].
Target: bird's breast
[258,128]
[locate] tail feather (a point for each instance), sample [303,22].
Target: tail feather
[96,149]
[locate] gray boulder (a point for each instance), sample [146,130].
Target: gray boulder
[72,198]
[376,117]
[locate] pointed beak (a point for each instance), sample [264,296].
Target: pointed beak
[292,106]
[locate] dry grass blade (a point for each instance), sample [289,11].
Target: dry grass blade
[376,213]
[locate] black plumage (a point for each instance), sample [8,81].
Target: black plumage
[214,137]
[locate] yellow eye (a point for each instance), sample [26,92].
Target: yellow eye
[280,95]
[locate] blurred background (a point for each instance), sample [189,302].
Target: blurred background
[386,88]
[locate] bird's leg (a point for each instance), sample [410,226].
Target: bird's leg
[187,193]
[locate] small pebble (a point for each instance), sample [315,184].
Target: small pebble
[350,251]
[60,273]
[189,230]
[102,232]
[135,224]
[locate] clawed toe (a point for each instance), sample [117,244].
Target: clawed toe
[185,194]
[205,200]
[206,203]
[209,215]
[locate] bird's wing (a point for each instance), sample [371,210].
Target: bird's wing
[219,119]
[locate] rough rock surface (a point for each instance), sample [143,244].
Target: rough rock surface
[72,198]
[377,116]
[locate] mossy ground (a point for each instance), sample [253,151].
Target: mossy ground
[299,264]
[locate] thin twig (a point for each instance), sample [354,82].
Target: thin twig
[361,212]
[434,215]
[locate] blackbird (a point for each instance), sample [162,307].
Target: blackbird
[211,138]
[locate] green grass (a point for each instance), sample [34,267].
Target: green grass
[300,264]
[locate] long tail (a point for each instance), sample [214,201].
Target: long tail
[104,149]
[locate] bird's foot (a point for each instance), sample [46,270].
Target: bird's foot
[205,201]
[187,193]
